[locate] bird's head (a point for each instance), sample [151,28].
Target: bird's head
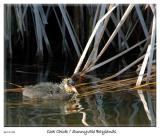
[69,85]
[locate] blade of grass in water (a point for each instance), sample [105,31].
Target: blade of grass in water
[43,22]
[71,24]
[115,57]
[101,29]
[115,21]
[96,16]
[42,14]
[18,13]
[63,33]
[38,32]
[70,30]
[125,69]
[131,31]
[119,34]
[108,35]
[144,64]
[153,8]
[91,38]
[23,15]
[153,38]
[111,89]
[143,24]
[121,45]
[150,105]
[46,40]
[127,12]
[98,37]
[25,11]
[7,26]
[48,11]
[140,77]
[134,113]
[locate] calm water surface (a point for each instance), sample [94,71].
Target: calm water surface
[122,108]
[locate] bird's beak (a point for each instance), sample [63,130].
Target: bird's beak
[74,89]
[70,89]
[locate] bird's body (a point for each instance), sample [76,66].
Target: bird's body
[48,90]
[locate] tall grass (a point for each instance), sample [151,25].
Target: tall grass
[7,29]
[69,27]
[113,32]
[91,38]
[148,56]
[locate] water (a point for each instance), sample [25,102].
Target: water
[122,108]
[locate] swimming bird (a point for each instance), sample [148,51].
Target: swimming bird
[63,91]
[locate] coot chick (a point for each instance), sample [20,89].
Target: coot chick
[62,91]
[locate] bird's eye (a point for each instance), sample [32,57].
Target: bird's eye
[71,82]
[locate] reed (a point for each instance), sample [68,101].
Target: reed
[70,29]
[91,38]
[129,9]
[148,57]
[120,30]
[108,84]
